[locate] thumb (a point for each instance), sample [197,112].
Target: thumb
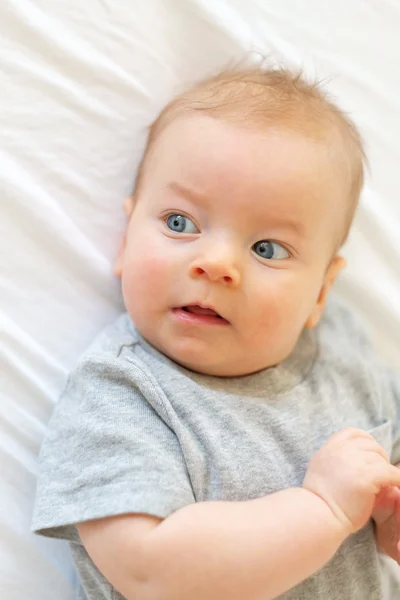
[385,504]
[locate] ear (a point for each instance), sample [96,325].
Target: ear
[129,203]
[337,264]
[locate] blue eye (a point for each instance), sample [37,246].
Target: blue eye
[181,224]
[270,250]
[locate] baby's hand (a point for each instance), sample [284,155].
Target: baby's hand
[348,473]
[386,514]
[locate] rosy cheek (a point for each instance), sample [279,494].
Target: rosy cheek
[271,310]
[145,279]
[154,270]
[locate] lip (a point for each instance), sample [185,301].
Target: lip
[190,318]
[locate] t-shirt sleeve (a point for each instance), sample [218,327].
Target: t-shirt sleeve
[108,451]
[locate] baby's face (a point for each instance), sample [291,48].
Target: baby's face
[229,245]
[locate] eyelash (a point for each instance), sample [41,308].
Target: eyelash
[170,213]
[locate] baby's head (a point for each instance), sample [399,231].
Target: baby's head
[245,194]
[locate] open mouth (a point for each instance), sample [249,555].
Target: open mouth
[199,310]
[196,314]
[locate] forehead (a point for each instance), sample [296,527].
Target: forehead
[269,169]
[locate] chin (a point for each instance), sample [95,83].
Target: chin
[198,356]
[193,354]
[206,366]
[199,362]
[233,368]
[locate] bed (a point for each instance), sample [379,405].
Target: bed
[80,82]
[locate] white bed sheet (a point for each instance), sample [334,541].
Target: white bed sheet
[79,82]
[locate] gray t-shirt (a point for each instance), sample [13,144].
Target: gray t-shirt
[135,432]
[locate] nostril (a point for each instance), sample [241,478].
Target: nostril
[215,272]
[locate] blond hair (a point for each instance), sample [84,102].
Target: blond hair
[281,98]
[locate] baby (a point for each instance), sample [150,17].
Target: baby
[228,438]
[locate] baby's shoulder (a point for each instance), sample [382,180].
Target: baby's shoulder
[348,355]
[343,329]
[346,349]
[109,357]
[110,343]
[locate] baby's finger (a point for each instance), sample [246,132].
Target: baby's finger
[371,445]
[360,439]
[385,503]
[389,475]
[350,433]
[397,504]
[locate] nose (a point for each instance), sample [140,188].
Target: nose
[218,264]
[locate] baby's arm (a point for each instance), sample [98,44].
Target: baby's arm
[254,549]
[217,550]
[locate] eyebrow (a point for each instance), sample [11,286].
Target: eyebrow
[288,225]
[182,190]
[195,196]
